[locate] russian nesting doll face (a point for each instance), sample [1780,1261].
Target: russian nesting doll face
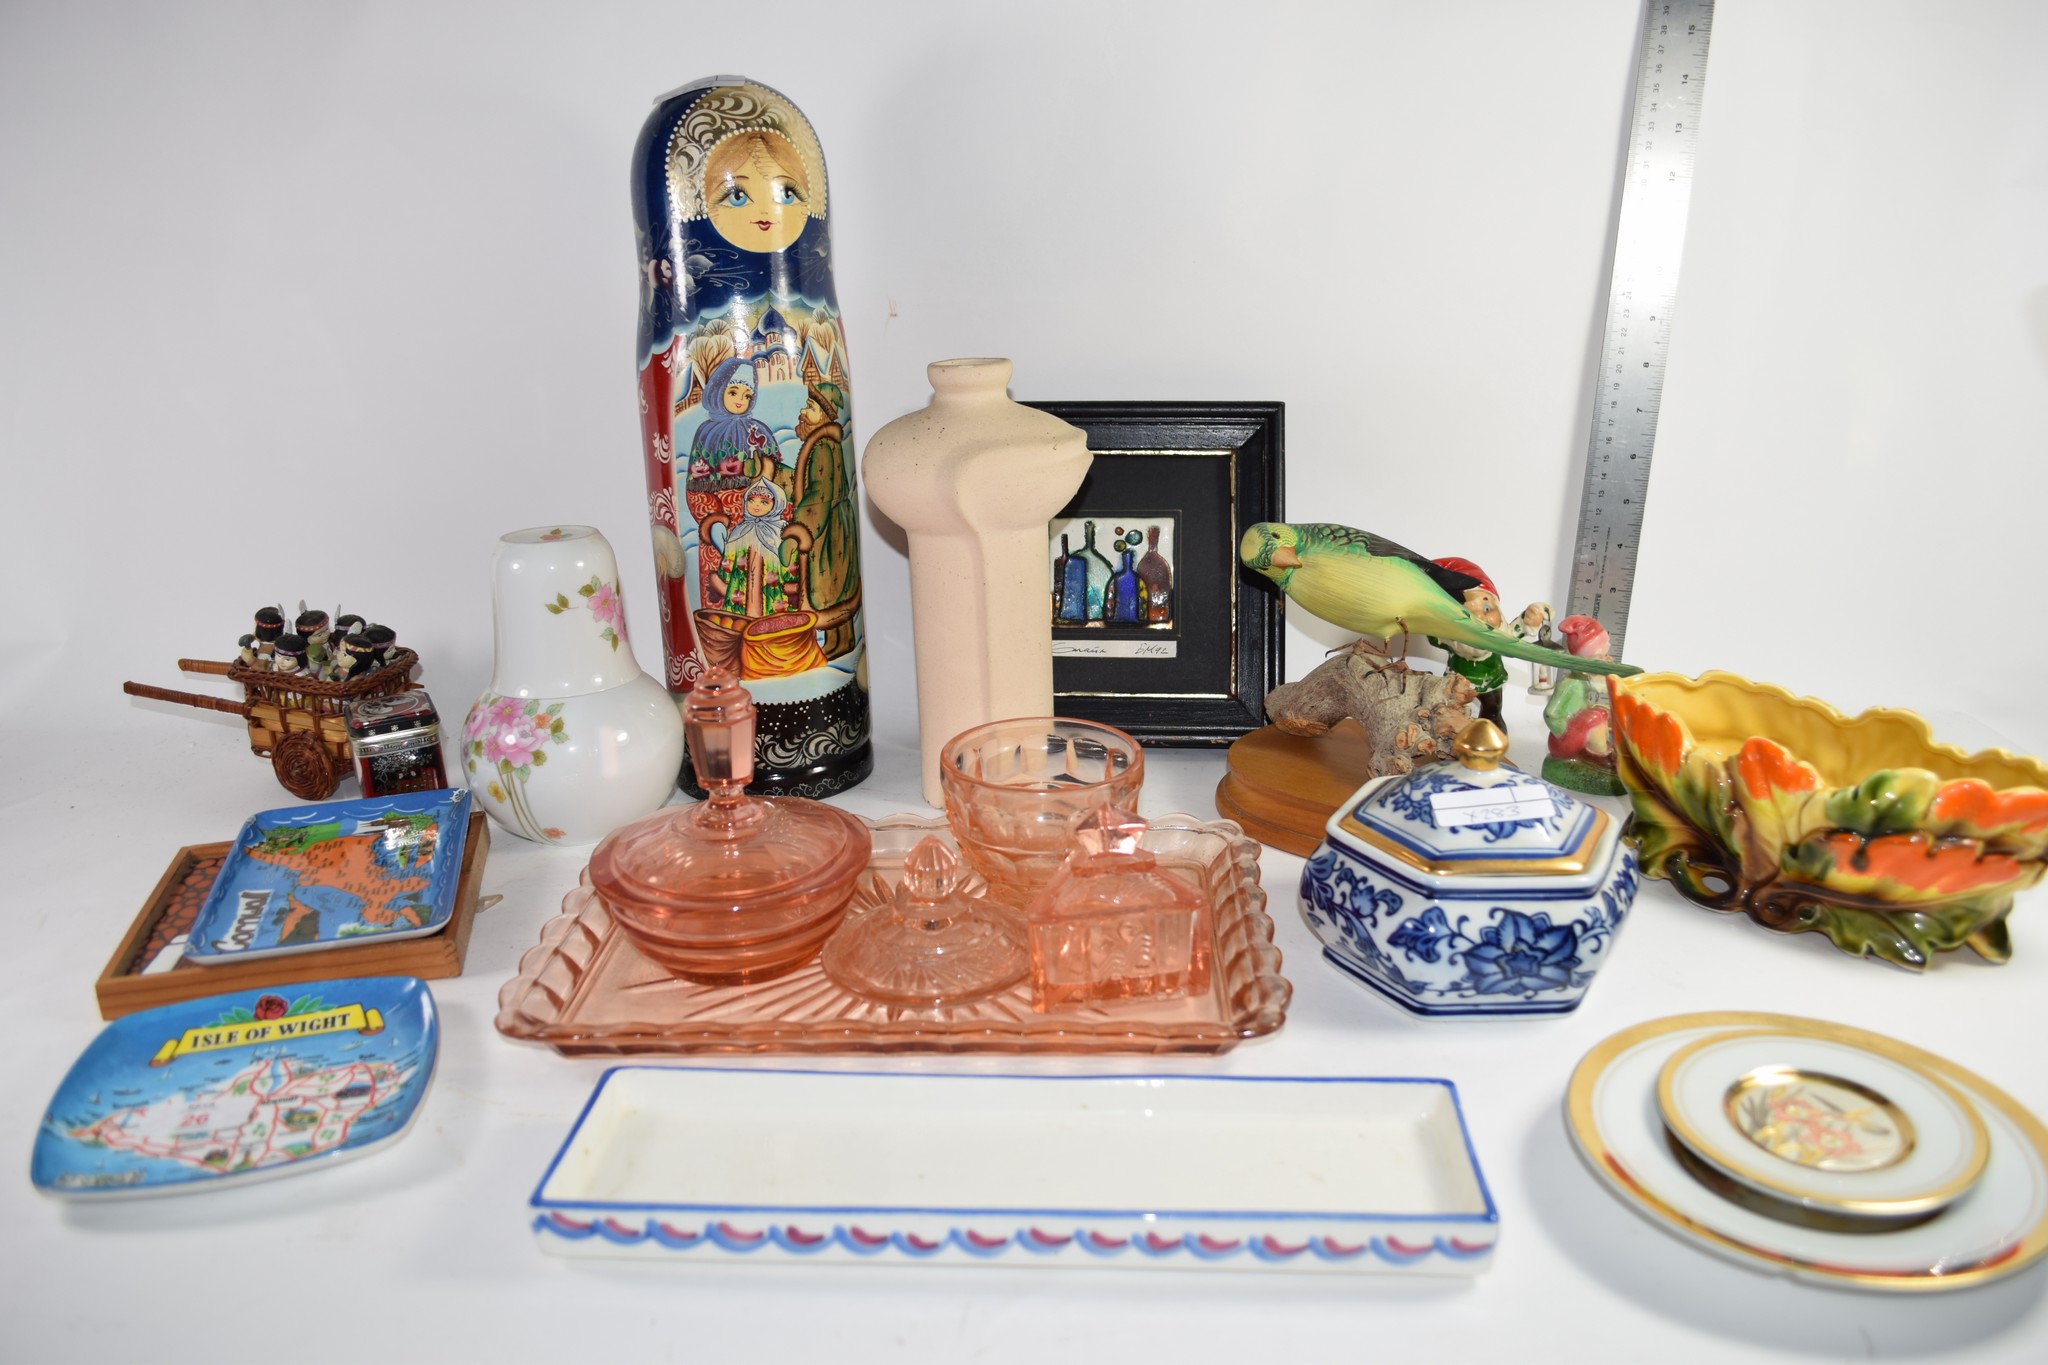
[738,398]
[757,192]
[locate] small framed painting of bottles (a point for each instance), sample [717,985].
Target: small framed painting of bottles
[1156,628]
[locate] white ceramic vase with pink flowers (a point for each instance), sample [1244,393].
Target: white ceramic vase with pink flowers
[572,739]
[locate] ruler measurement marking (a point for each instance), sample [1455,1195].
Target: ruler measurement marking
[1649,244]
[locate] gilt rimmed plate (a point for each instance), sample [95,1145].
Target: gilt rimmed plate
[1998,1227]
[1828,1124]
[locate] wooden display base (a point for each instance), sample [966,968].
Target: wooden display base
[1283,788]
[125,986]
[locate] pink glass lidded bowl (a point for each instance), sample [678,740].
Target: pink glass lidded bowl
[733,889]
[1013,789]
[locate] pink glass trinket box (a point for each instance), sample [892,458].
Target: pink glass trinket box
[1114,925]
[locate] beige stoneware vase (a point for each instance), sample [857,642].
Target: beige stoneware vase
[974,480]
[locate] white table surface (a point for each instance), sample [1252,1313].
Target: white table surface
[423,1251]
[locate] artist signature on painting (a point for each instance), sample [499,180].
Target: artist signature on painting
[1115,649]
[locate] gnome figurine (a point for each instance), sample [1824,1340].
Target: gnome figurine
[1484,669]
[1581,738]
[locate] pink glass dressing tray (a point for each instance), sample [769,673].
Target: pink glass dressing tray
[585,989]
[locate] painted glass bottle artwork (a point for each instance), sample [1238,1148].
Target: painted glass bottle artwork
[1128,600]
[1158,576]
[1072,602]
[1099,571]
[746,427]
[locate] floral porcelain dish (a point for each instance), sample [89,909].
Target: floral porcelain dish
[1829,1125]
[1861,828]
[1470,888]
[1998,1228]
[1176,1172]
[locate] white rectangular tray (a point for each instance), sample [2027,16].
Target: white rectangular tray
[1191,1172]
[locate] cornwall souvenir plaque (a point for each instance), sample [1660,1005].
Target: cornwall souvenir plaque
[745,427]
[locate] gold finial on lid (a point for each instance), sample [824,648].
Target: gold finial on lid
[1481,746]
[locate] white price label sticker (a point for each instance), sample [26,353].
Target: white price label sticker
[1497,806]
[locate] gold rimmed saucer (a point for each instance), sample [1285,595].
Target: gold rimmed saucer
[1830,1125]
[1996,1228]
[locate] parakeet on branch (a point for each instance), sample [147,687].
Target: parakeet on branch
[1369,584]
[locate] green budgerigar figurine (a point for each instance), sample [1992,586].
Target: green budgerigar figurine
[1369,584]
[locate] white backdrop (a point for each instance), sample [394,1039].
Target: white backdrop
[316,300]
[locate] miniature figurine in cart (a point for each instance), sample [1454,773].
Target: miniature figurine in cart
[384,641]
[345,625]
[313,628]
[1581,739]
[358,656]
[1533,625]
[288,655]
[269,625]
[246,652]
[1483,668]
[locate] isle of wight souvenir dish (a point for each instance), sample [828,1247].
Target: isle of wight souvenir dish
[1829,1125]
[974,479]
[587,988]
[1864,829]
[1470,888]
[734,889]
[343,872]
[746,427]
[239,1087]
[1141,1172]
[1997,1228]
[571,740]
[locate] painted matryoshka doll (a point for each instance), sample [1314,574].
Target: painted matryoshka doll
[745,425]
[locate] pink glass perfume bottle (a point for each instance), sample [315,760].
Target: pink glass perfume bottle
[1114,925]
[735,888]
[934,944]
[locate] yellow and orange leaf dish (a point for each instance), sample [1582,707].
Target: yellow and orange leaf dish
[1865,829]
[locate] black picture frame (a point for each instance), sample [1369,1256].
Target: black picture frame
[1228,629]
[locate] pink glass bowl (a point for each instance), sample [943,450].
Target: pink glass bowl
[726,911]
[1013,788]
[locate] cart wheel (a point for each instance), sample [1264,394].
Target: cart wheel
[303,767]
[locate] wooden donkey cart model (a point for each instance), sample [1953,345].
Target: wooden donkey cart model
[299,723]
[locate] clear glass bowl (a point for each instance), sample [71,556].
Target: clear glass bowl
[1014,787]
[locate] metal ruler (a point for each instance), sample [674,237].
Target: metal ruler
[1649,242]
